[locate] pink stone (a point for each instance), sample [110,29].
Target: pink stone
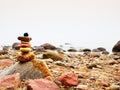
[42,84]
[6,62]
[10,81]
[69,79]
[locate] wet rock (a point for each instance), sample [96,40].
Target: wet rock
[10,82]
[48,46]
[72,50]
[26,70]
[68,79]
[42,84]
[16,46]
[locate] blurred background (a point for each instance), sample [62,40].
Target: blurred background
[82,23]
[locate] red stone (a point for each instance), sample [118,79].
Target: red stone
[10,81]
[6,62]
[42,84]
[68,79]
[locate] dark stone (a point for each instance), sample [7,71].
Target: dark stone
[48,46]
[116,47]
[72,50]
[16,46]
[26,34]
[90,66]
[105,52]
[86,50]
[101,49]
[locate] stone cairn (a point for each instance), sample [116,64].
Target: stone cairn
[25,53]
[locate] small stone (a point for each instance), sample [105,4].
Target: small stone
[10,82]
[72,50]
[82,87]
[115,87]
[90,66]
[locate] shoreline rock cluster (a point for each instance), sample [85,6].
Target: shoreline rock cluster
[95,69]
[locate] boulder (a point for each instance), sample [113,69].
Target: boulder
[10,82]
[27,70]
[42,84]
[48,46]
[68,79]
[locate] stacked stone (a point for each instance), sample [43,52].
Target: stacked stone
[25,53]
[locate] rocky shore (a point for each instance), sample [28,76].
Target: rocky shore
[71,69]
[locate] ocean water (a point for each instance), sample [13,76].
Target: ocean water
[77,46]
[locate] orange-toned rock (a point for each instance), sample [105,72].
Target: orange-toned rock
[101,83]
[68,79]
[25,45]
[10,82]
[42,84]
[25,57]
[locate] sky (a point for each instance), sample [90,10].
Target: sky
[85,23]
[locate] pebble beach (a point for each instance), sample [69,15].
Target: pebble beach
[95,69]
